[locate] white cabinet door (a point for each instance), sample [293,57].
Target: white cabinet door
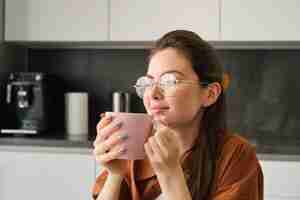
[135,20]
[1,20]
[258,20]
[56,20]
[281,180]
[47,176]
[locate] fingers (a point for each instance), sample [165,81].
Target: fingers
[105,120]
[104,146]
[154,146]
[163,147]
[111,148]
[109,130]
[149,151]
[167,138]
[156,150]
[172,139]
[159,144]
[107,157]
[106,129]
[108,143]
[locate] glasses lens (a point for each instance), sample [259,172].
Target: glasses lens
[141,85]
[168,84]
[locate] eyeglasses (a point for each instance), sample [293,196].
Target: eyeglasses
[167,85]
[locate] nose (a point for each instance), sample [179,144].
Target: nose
[155,92]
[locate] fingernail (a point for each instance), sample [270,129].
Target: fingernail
[123,150]
[119,125]
[110,117]
[123,136]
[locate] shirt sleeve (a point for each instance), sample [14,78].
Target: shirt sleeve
[239,175]
[100,180]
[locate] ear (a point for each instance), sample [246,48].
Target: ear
[212,93]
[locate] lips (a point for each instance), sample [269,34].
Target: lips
[158,109]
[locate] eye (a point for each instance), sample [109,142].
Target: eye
[143,82]
[168,80]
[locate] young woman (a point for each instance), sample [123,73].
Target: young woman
[192,155]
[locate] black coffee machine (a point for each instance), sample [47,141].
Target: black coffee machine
[34,104]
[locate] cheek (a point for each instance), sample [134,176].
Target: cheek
[186,106]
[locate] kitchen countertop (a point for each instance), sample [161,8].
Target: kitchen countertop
[274,150]
[53,141]
[49,144]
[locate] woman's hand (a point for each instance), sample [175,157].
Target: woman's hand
[162,150]
[108,146]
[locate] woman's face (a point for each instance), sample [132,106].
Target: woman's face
[183,107]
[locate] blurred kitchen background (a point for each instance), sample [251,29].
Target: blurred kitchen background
[100,47]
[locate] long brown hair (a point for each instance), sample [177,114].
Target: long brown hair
[207,66]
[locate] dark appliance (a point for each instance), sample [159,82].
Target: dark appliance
[34,104]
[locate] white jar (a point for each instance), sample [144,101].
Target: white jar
[76,115]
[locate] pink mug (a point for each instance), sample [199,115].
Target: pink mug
[138,127]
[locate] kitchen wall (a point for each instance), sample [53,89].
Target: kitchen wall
[262,97]
[99,72]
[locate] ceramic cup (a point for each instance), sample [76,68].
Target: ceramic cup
[138,127]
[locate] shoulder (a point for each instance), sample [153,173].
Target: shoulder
[238,172]
[235,145]
[237,159]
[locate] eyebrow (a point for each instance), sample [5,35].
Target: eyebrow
[166,72]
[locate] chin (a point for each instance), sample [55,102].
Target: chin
[159,116]
[166,119]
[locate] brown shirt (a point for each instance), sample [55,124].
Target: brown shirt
[238,175]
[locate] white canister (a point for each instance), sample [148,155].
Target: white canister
[76,113]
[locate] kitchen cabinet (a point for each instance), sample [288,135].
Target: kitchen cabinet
[134,20]
[260,20]
[45,175]
[281,179]
[56,20]
[115,20]
[1,21]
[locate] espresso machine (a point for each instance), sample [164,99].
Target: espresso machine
[32,104]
